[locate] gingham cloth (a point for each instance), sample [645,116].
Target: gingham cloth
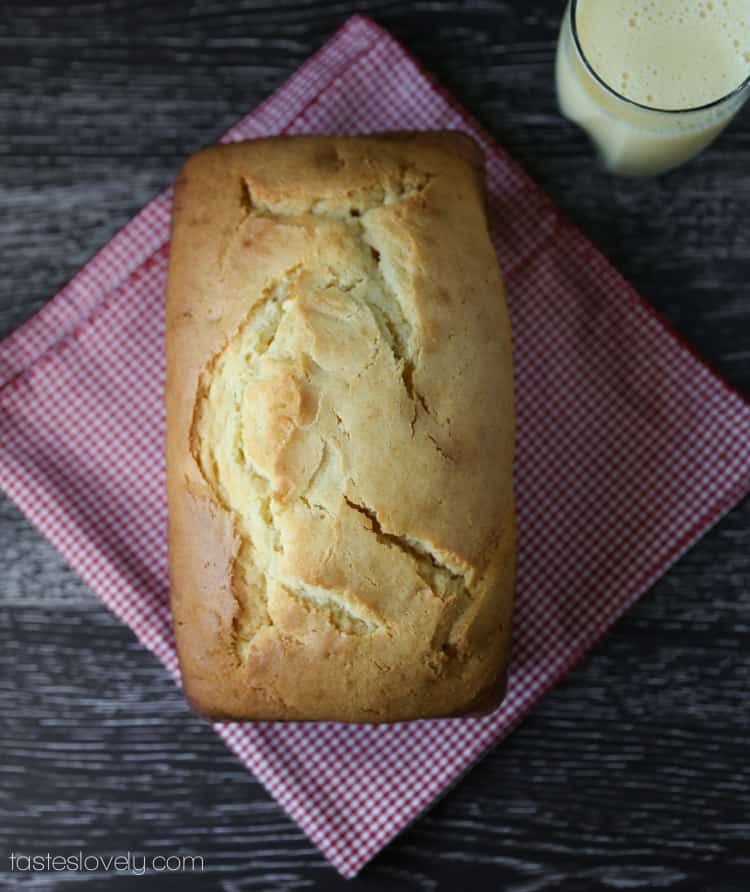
[629,448]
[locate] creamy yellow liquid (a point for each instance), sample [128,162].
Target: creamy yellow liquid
[675,55]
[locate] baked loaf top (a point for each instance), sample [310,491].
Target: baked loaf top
[340,431]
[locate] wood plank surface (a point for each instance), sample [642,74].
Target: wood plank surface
[635,772]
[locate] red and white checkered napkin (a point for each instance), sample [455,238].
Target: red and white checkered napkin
[628,449]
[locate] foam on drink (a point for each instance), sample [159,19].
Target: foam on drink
[670,54]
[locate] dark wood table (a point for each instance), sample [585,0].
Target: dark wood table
[635,772]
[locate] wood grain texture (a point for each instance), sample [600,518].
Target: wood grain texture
[634,773]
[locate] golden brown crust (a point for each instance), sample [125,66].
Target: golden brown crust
[339,431]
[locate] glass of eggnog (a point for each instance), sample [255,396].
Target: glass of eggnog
[654,81]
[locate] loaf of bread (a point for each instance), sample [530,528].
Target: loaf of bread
[340,431]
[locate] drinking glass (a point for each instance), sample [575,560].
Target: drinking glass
[634,139]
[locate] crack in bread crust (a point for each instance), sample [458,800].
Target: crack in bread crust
[446,581]
[432,568]
[222,443]
[249,579]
